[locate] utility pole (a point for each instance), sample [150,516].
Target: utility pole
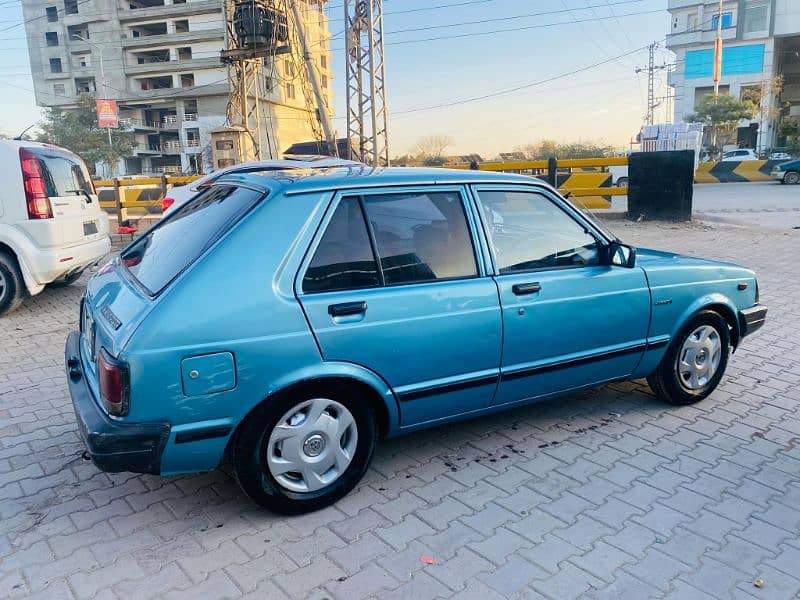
[367,130]
[102,80]
[322,105]
[652,101]
[718,52]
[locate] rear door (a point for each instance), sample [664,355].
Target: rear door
[393,283]
[77,216]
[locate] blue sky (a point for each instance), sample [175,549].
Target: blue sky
[604,103]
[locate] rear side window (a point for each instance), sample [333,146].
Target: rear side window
[344,259]
[165,251]
[64,173]
[421,236]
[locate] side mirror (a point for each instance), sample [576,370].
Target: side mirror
[621,254]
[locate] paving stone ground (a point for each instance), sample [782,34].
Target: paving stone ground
[604,494]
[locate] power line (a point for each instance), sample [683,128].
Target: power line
[519,87]
[509,30]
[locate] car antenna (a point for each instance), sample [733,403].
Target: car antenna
[24,131]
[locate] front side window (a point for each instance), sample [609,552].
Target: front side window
[165,251]
[344,259]
[528,231]
[421,236]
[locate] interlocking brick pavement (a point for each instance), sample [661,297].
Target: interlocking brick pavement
[603,494]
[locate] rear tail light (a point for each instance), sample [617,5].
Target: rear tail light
[166,203]
[114,381]
[36,198]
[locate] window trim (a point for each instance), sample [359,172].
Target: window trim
[473,230]
[558,202]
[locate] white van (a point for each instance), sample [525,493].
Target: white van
[51,224]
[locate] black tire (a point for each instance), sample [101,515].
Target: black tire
[12,286]
[68,280]
[665,381]
[791,177]
[622,182]
[251,444]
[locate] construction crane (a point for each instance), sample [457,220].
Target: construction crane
[260,30]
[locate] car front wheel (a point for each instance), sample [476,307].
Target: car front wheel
[791,177]
[304,450]
[695,361]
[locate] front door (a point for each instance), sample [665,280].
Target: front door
[394,285]
[568,320]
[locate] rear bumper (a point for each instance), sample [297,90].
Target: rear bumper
[752,319]
[48,265]
[113,446]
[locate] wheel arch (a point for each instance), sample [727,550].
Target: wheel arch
[13,248]
[716,303]
[378,393]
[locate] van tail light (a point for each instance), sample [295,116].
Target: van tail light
[114,379]
[36,198]
[166,203]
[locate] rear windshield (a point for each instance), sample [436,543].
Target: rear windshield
[64,173]
[162,253]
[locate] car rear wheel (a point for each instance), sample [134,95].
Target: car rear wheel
[695,361]
[304,450]
[791,177]
[622,182]
[12,287]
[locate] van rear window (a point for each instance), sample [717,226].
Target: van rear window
[64,173]
[161,254]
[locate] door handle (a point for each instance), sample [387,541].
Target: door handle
[522,289]
[347,308]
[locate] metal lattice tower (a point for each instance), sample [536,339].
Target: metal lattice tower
[652,101]
[367,133]
[245,77]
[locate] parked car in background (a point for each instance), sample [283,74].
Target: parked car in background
[780,156]
[788,172]
[292,320]
[619,176]
[51,224]
[740,154]
[180,194]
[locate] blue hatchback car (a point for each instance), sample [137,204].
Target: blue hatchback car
[292,319]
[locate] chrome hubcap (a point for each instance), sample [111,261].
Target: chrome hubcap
[312,445]
[699,358]
[2,285]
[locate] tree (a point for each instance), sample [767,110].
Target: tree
[77,130]
[790,129]
[429,150]
[762,96]
[722,114]
[580,149]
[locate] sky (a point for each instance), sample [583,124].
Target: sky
[441,52]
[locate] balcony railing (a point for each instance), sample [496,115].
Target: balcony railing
[190,116]
[167,169]
[132,123]
[192,143]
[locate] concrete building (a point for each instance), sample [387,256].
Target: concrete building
[161,61]
[761,39]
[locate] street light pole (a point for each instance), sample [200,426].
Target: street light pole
[102,80]
[718,52]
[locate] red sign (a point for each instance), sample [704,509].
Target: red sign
[107,114]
